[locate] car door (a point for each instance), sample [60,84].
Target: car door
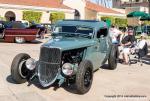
[103,46]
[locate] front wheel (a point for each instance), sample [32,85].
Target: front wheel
[84,77]
[19,71]
[112,60]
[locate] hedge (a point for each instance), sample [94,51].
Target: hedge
[55,16]
[146,22]
[32,16]
[121,22]
[112,19]
[2,18]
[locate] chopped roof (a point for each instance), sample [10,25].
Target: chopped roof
[87,23]
[40,3]
[99,8]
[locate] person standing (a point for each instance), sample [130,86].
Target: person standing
[114,33]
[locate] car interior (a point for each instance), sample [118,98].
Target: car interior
[102,32]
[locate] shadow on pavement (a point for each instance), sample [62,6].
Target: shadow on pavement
[35,82]
[70,88]
[146,60]
[105,66]
[33,42]
[10,79]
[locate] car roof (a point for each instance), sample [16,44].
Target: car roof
[88,23]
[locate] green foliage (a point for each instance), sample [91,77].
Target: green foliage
[120,22]
[55,16]
[115,21]
[32,16]
[110,18]
[2,18]
[146,22]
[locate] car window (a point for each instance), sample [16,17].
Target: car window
[102,32]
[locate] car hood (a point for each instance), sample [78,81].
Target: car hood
[65,43]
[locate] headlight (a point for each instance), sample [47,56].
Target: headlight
[30,64]
[67,69]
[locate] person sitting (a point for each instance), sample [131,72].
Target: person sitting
[141,47]
[127,40]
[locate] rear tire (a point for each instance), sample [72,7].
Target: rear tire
[84,77]
[19,71]
[19,40]
[112,60]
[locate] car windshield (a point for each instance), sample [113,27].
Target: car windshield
[73,30]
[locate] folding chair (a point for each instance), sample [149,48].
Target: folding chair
[138,55]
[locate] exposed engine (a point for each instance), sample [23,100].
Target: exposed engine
[72,56]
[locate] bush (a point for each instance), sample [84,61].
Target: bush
[120,22]
[32,16]
[146,22]
[111,19]
[2,18]
[115,21]
[55,16]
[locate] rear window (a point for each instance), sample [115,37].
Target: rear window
[73,29]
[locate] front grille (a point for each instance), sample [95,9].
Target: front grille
[49,64]
[51,55]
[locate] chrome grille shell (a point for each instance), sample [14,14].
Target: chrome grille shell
[49,65]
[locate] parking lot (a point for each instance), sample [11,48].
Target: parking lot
[126,83]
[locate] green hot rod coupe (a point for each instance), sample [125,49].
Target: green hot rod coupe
[76,49]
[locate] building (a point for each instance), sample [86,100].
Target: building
[13,9]
[73,9]
[129,3]
[89,10]
[130,6]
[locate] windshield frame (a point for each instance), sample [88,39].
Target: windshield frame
[58,33]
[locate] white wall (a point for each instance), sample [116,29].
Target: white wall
[77,4]
[45,17]
[90,14]
[69,15]
[18,10]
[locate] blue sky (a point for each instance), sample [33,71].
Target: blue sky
[109,2]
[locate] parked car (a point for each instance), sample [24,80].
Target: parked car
[41,28]
[76,50]
[16,32]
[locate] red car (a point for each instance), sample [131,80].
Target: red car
[17,32]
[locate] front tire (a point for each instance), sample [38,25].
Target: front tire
[112,60]
[84,77]
[19,71]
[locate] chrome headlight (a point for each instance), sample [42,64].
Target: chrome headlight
[67,69]
[31,64]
